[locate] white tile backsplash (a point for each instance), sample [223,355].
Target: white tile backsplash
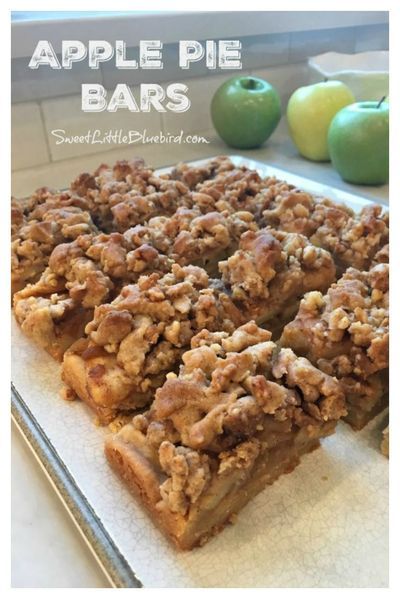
[372,37]
[65,113]
[28,139]
[304,44]
[44,82]
[265,50]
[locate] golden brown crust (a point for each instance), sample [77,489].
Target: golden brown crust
[346,333]
[272,269]
[54,321]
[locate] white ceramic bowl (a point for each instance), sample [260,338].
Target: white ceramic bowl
[366,73]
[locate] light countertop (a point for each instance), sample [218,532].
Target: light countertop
[47,550]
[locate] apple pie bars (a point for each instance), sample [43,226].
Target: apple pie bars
[133,342]
[263,279]
[152,289]
[130,193]
[270,272]
[240,412]
[346,334]
[352,239]
[38,229]
[93,269]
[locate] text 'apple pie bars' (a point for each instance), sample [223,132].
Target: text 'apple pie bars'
[152,290]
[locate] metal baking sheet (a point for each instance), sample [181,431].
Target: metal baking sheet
[323,525]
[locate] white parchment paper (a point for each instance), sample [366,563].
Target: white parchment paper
[323,525]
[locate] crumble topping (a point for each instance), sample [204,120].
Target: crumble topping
[217,186]
[189,474]
[193,175]
[40,196]
[209,419]
[129,194]
[289,209]
[353,240]
[36,239]
[194,216]
[51,320]
[147,327]
[94,267]
[132,209]
[17,217]
[232,190]
[196,237]
[381,256]
[55,306]
[40,205]
[188,236]
[90,271]
[346,331]
[275,266]
[236,394]
[103,262]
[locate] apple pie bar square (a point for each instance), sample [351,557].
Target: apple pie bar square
[240,412]
[346,334]
[269,273]
[134,341]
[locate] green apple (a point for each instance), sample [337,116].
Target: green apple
[310,112]
[245,111]
[358,142]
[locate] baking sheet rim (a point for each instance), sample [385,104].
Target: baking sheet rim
[111,561]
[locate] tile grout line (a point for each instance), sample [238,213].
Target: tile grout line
[43,120]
